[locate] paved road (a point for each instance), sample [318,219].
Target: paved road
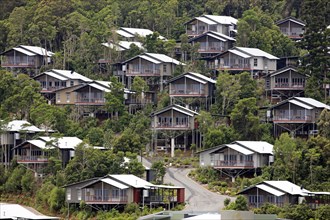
[197,197]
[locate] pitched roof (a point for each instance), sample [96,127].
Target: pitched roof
[295,20]
[178,108]
[21,125]
[195,76]
[108,181]
[287,187]
[215,35]
[31,51]
[132,180]
[261,147]
[307,103]
[63,142]
[122,45]
[156,58]
[256,52]
[131,32]
[16,211]
[64,75]
[239,149]
[215,19]
[284,69]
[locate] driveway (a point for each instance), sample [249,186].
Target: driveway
[198,198]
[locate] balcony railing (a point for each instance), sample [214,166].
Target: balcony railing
[211,49]
[293,117]
[106,199]
[193,33]
[233,66]
[187,92]
[32,159]
[289,86]
[96,101]
[293,34]
[23,62]
[170,125]
[144,72]
[232,163]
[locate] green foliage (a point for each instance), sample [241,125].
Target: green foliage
[28,182]
[115,98]
[159,168]
[240,204]
[323,124]
[13,183]
[56,198]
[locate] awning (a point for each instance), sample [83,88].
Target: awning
[239,149]
[270,190]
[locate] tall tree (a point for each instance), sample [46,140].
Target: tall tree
[316,14]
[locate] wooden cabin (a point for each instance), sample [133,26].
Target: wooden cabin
[292,27]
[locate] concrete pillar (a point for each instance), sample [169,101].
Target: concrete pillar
[172,147]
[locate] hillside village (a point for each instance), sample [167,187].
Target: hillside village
[101,102]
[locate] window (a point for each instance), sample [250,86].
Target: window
[57,83]
[68,194]
[254,199]
[63,84]
[164,68]
[67,96]
[255,62]
[115,193]
[58,96]
[71,83]
[79,194]
[50,84]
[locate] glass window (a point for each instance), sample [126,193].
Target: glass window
[255,62]
[68,194]
[164,68]
[79,194]
[71,83]
[67,96]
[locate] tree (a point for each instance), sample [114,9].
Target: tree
[28,182]
[245,120]
[140,86]
[159,168]
[56,198]
[324,124]
[227,92]
[240,204]
[115,98]
[316,41]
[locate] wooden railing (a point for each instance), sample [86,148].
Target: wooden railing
[232,163]
[143,71]
[35,159]
[106,199]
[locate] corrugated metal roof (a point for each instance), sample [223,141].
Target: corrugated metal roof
[38,50]
[122,45]
[21,125]
[139,31]
[227,20]
[40,144]
[296,102]
[196,79]
[205,20]
[270,190]
[287,187]
[150,59]
[132,180]
[71,75]
[222,35]
[55,75]
[63,142]
[124,33]
[202,77]
[261,147]
[99,87]
[313,102]
[14,211]
[240,149]
[164,58]
[114,183]
[239,53]
[26,52]
[256,52]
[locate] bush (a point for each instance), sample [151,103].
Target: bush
[132,208]
[56,199]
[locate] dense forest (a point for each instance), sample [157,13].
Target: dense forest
[75,29]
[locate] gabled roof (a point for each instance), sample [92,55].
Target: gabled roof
[295,20]
[16,211]
[279,188]
[62,142]
[131,32]
[287,187]
[215,35]
[99,85]
[108,181]
[178,108]
[122,45]
[255,52]
[21,126]
[247,52]
[131,180]
[156,58]
[64,75]
[261,147]
[239,149]
[194,76]
[284,69]
[307,103]
[215,19]
[31,51]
